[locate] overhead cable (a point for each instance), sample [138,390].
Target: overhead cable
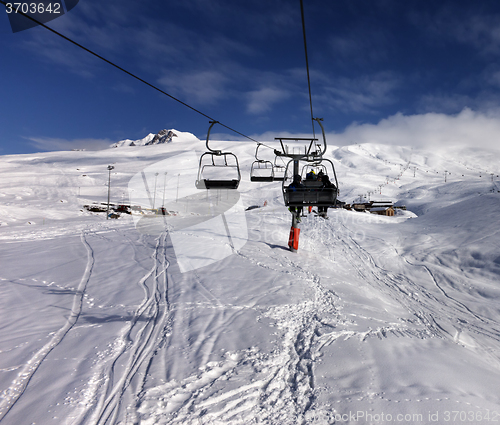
[307,64]
[127,72]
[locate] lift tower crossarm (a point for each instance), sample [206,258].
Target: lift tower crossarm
[307,155]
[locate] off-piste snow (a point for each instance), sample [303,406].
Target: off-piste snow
[140,320]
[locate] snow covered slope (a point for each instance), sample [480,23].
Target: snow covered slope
[375,320]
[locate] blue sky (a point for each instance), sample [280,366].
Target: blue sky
[385,69]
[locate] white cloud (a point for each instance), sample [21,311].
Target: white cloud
[360,94]
[437,131]
[263,99]
[56,144]
[200,87]
[466,129]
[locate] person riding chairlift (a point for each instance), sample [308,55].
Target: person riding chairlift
[311,175]
[326,183]
[296,184]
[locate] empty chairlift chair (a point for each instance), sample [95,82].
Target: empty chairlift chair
[279,170]
[217,169]
[261,170]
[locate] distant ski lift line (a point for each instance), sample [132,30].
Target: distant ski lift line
[127,72]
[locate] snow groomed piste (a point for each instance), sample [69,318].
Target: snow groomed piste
[377,318]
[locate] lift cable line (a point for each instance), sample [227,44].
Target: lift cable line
[127,72]
[307,64]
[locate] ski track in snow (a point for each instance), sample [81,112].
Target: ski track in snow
[281,386]
[121,375]
[282,382]
[118,374]
[16,390]
[441,319]
[455,313]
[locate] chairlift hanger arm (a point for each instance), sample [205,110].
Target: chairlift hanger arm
[216,152]
[257,152]
[318,120]
[212,181]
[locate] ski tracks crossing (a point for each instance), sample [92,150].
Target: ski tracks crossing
[122,374]
[278,386]
[420,289]
[252,385]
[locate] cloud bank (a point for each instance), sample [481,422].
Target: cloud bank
[57,144]
[441,131]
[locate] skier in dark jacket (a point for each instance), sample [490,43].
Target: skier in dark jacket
[296,184]
[326,183]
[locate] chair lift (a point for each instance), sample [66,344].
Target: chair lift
[316,168]
[312,194]
[279,170]
[215,171]
[261,170]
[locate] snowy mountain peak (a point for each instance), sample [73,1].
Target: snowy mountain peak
[129,142]
[163,136]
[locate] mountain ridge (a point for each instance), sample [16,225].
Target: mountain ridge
[162,137]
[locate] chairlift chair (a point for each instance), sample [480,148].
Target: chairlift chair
[279,170]
[312,194]
[217,169]
[261,170]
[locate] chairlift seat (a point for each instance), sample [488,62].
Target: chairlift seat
[261,170]
[262,178]
[217,184]
[312,183]
[302,197]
